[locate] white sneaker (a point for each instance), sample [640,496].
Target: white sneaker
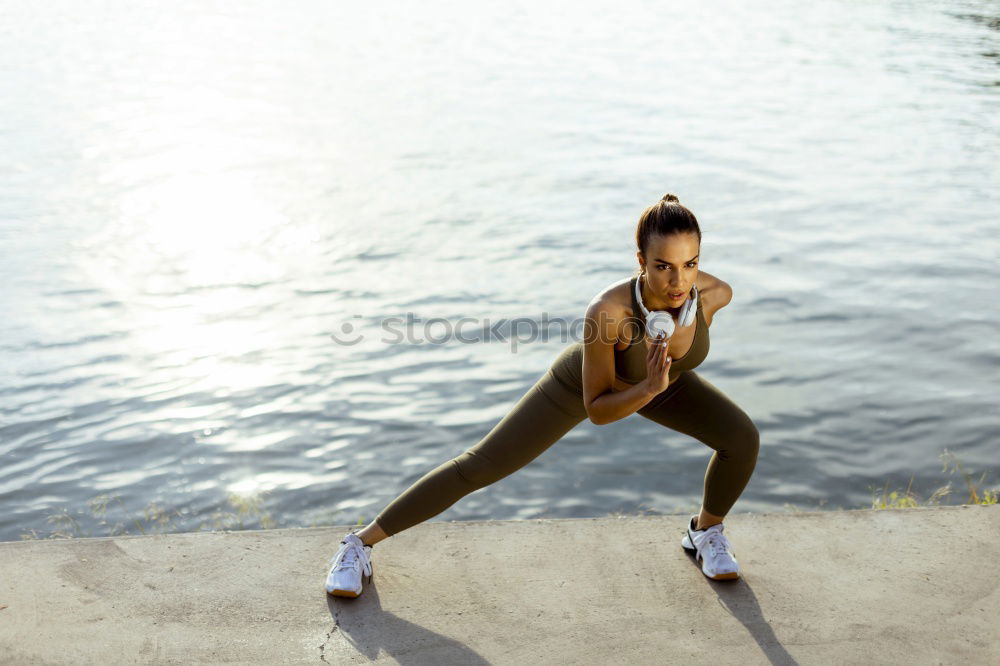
[353,558]
[712,547]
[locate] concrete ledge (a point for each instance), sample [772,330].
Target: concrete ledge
[912,586]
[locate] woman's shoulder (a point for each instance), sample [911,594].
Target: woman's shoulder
[609,313]
[713,292]
[615,299]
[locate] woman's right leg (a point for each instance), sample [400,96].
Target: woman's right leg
[542,416]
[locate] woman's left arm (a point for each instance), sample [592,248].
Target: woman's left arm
[715,295]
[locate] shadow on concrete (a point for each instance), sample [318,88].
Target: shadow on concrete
[738,598]
[370,630]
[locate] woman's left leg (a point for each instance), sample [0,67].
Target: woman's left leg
[693,406]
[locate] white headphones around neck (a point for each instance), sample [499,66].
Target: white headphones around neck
[660,320]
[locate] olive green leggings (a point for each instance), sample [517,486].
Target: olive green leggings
[549,410]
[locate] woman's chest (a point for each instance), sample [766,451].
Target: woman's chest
[688,348]
[680,342]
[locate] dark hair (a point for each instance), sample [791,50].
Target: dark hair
[667,216]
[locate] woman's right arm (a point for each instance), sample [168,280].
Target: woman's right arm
[603,404]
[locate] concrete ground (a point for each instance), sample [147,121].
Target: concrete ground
[911,586]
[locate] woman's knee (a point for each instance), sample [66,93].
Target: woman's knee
[747,440]
[742,441]
[477,470]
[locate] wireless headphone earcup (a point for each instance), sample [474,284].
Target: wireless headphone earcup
[690,309]
[659,321]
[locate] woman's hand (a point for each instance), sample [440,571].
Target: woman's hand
[658,365]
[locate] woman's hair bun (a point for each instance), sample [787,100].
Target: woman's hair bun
[670,197]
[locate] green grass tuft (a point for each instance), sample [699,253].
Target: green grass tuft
[893,499]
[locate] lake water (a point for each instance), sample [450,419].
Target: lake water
[194,201]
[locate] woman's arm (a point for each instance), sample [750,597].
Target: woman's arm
[603,404]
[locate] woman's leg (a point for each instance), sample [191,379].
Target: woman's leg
[542,416]
[694,407]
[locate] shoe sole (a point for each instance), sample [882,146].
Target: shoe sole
[732,575]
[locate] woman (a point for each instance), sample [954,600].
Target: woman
[643,338]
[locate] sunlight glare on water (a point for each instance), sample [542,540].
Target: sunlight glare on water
[210,216]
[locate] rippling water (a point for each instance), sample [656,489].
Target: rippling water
[194,201]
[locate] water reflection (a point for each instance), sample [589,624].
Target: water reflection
[195,201]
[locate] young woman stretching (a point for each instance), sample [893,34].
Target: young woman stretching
[643,338]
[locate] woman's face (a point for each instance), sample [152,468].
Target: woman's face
[671,265]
